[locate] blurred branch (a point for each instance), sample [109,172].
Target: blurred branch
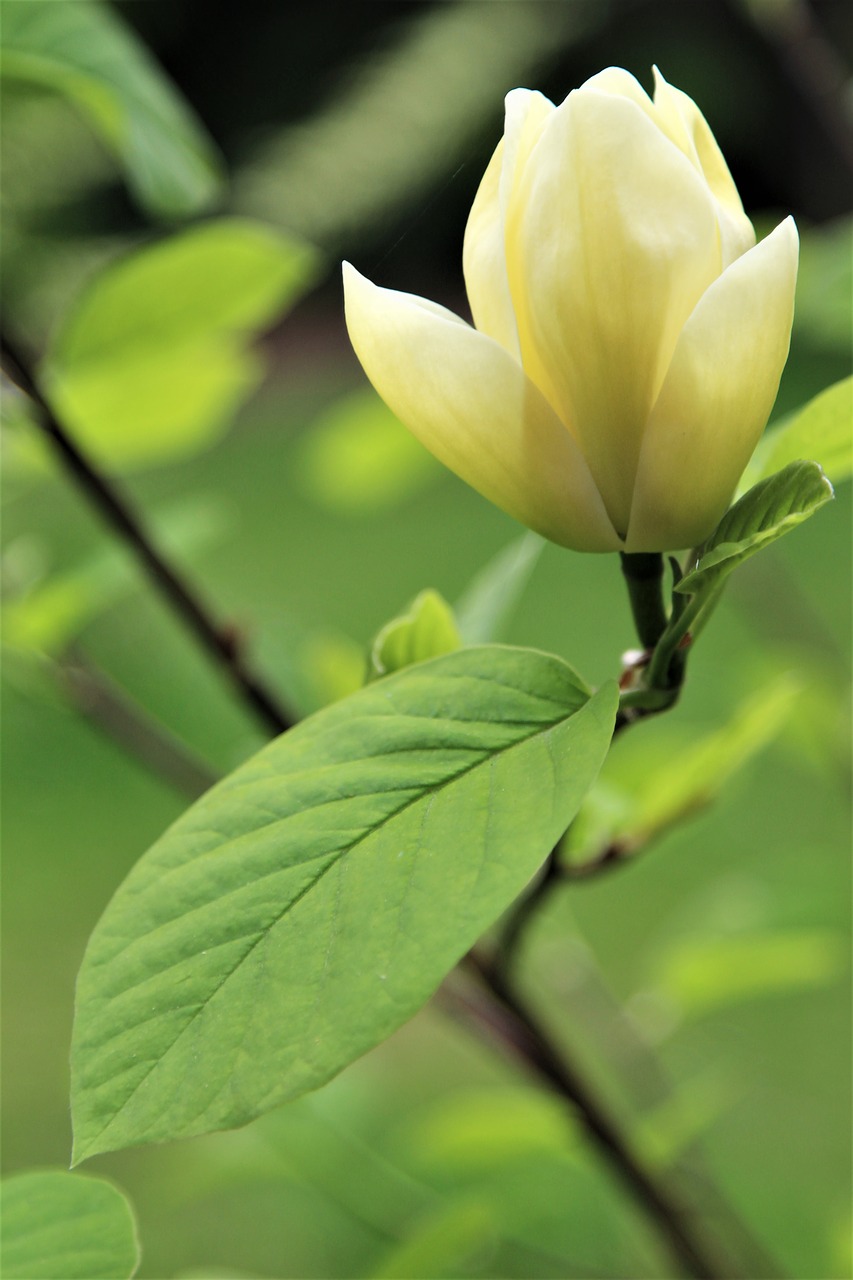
[811,65]
[220,642]
[512,1022]
[101,700]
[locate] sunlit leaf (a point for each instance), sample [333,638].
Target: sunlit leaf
[314,900]
[487,604]
[769,510]
[822,429]
[153,360]
[426,630]
[84,52]
[358,458]
[67,1225]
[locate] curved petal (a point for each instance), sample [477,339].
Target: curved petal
[716,397]
[483,252]
[470,403]
[689,129]
[611,240]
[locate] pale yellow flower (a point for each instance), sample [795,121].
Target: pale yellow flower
[629,333]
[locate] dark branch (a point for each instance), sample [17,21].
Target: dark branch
[218,641]
[522,1032]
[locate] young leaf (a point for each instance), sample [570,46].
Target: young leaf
[84,52]
[771,509]
[313,901]
[822,429]
[494,592]
[426,631]
[66,1224]
[152,360]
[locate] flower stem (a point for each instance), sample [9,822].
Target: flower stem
[644,577]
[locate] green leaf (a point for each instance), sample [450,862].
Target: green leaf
[769,510]
[358,458]
[66,1226]
[426,630]
[84,52]
[313,901]
[822,429]
[494,592]
[153,360]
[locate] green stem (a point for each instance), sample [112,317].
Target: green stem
[644,577]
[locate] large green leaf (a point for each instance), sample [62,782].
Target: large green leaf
[153,359]
[769,510]
[822,429]
[314,900]
[84,52]
[65,1226]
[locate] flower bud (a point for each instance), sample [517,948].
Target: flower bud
[629,334]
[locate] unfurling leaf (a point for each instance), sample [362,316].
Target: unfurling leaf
[312,902]
[426,630]
[772,508]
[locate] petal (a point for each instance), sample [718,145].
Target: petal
[689,129]
[716,398]
[483,252]
[470,403]
[611,241]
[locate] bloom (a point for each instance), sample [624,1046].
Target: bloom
[629,334]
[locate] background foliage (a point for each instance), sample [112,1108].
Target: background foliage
[311,520]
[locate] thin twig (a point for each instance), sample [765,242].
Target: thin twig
[219,642]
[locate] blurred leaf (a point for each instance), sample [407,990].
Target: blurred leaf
[822,430]
[492,595]
[474,1130]
[442,1244]
[700,975]
[358,458]
[84,52]
[426,630]
[152,361]
[687,782]
[825,285]
[769,510]
[58,1224]
[54,611]
[665,1134]
[313,901]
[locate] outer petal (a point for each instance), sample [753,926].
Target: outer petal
[611,240]
[470,403]
[483,252]
[688,128]
[716,398]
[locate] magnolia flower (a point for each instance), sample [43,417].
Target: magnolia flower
[629,334]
